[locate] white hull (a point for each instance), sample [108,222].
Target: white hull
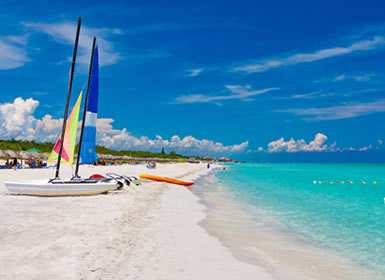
[45,188]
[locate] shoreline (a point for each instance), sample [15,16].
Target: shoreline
[150,232]
[266,243]
[156,231]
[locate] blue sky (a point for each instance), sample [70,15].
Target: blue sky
[228,71]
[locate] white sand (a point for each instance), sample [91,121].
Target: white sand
[150,232]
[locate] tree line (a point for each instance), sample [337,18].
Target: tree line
[45,147]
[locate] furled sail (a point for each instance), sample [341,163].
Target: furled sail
[88,149]
[69,136]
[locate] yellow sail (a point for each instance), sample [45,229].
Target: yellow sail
[69,144]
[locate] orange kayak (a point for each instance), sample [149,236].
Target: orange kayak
[165,179]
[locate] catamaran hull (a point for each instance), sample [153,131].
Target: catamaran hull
[44,188]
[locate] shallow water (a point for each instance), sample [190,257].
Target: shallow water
[329,218]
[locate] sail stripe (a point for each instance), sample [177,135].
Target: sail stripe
[88,150]
[91,119]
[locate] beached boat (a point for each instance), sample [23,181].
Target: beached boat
[61,188]
[64,147]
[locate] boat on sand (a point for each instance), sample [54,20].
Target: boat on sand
[61,188]
[64,148]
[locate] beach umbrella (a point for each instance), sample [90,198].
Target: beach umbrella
[115,157]
[3,154]
[23,155]
[109,157]
[11,154]
[43,156]
[126,158]
[34,155]
[104,156]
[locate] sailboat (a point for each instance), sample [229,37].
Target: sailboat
[64,149]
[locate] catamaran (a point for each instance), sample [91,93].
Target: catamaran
[64,148]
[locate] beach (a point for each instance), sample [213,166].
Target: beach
[147,232]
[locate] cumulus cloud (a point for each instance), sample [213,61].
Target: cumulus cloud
[17,121]
[12,52]
[359,46]
[236,92]
[64,32]
[318,144]
[121,139]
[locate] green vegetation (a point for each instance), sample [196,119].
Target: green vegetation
[139,154]
[23,145]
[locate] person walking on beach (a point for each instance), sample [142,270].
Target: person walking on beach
[14,163]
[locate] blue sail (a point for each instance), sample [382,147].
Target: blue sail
[88,150]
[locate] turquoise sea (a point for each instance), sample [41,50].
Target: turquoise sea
[340,207]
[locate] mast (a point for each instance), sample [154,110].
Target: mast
[85,109]
[68,98]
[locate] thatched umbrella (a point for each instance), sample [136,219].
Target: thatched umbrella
[104,156]
[110,157]
[11,154]
[126,158]
[43,156]
[101,156]
[115,157]
[23,155]
[3,154]
[34,155]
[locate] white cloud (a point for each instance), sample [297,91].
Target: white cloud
[121,139]
[18,121]
[364,45]
[318,144]
[344,111]
[12,52]
[237,92]
[194,72]
[357,78]
[47,129]
[311,95]
[64,32]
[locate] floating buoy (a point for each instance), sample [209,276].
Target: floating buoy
[343,182]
